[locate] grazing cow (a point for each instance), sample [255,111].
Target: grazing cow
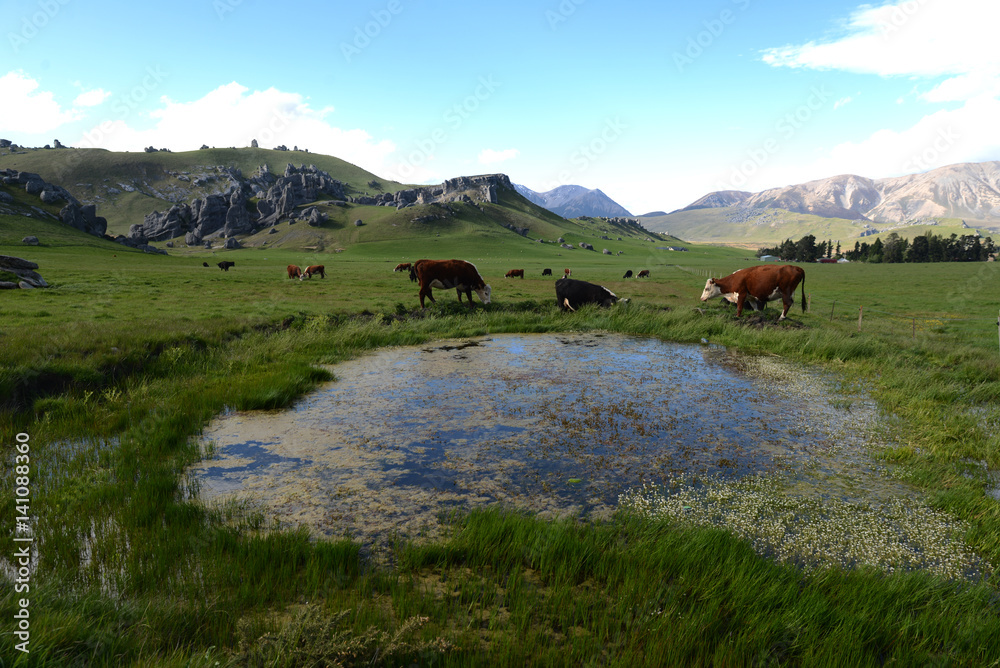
[226,264]
[204,264]
[759,285]
[294,271]
[566,273]
[546,272]
[628,274]
[571,294]
[403,266]
[444,274]
[643,274]
[515,273]
[314,269]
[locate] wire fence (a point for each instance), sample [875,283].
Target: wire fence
[897,326]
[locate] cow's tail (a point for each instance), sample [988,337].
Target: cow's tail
[803,292]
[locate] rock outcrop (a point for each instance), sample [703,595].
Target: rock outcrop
[230,215]
[483,188]
[25,272]
[84,218]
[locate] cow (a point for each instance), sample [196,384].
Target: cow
[643,274]
[566,273]
[226,264]
[403,266]
[759,285]
[314,269]
[571,294]
[515,273]
[458,274]
[294,271]
[628,274]
[204,264]
[546,272]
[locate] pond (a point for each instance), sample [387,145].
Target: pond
[562,425]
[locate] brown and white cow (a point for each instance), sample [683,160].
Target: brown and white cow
[402,266]
[566,273]
[444,274]
[515,273]
[759,285]
[294,271]
[315,269]
[643,274]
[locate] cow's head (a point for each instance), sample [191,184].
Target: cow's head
[711,290]
[484,294]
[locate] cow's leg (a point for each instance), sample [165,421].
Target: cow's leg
[786,301]
[741,298]
[426,292]
[458,291]
[468,294]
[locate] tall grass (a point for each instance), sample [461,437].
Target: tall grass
[132,569]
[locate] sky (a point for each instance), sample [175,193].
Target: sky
[654,103]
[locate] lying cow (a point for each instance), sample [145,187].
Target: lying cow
[294,271]
[226,264]
[314,269]
[458,274]
[515,273]
[759,285]
[571,294]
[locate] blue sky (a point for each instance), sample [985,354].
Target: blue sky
[656,103]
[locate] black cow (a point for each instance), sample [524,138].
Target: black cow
[226,264]
[546,272]
[571,294]
[204,264]
[628,274]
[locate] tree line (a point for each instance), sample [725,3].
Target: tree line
[928,247]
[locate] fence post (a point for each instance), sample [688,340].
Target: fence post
[809,303]
[832,308]
[860,310]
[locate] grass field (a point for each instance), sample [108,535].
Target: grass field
[108,374]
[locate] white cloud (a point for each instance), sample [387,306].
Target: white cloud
[918,38]
[27,109]
[492,157]
[842,101]
[232,115]
[91,98]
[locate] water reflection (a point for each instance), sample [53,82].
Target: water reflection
[558,424]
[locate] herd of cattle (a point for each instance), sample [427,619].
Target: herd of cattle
[753,286]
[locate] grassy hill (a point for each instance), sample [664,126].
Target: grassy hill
[757,228]
[126,186]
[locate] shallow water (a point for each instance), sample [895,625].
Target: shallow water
[559,424]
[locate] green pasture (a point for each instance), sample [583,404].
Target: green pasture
[113,369]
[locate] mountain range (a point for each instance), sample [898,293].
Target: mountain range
[970,191]
[574,201]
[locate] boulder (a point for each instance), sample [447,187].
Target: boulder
[237,217]
[30,241]
[24,270]
[84,218]
[232,244]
